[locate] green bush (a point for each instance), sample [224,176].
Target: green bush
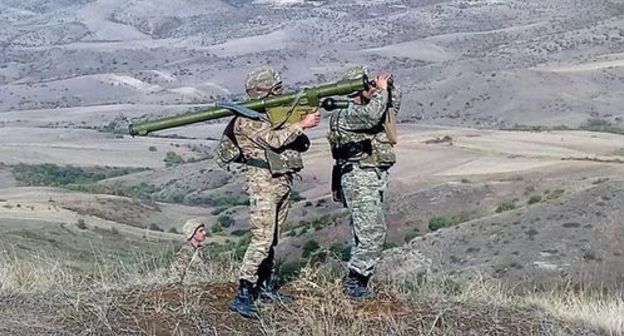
[321,222]
[555,194]
[438,222]
[302,232]
[535,199]
[389,244]
[60,176]
[239,232]
[225,221]
[295,196]
[288,270]
[81,224]
[155,227]
[600,125]
[216,228]
[173,230]
[241,246]
[343,251]
[506,206]
[226,202]
[309,247]
[173,159]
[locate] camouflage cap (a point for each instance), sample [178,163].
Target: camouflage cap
[260,81]
[190,227]
[354,72]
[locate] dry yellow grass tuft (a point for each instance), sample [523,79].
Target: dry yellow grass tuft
[135,299]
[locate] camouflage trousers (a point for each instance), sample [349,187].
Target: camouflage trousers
[269,200]
[363,193]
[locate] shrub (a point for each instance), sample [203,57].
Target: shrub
[506,206]
[389,244]
[343,251]
[59,176]
[216,228]
[535,199]
[81,224]
[225,221]
[241,246]
[288,270]
[173,159]
[226,202]
[155,227]
[439,222]
[309,247]
[239,232]
[555,194]
[295,196]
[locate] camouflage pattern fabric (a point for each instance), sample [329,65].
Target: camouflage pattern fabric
[187,263]
[363,187]
[363,191]
[269,196]
[361,117]
[254,136]
[269,200]
[355,72]
[260,81]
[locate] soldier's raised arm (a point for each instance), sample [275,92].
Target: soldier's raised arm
[363,117]
[262,134]
[367,116]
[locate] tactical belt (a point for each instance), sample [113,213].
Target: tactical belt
[352,149]
[258,163]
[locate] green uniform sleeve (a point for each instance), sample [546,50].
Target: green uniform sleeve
[261,133]
[364,117]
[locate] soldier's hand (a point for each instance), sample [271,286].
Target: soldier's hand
[382,80]
[310,120]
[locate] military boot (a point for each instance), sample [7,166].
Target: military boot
[268,292]
[243,303]
[355,285]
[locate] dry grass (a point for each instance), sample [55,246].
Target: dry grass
[135,299]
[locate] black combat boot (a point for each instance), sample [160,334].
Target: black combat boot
[355,285]
[268,292]
[243,303]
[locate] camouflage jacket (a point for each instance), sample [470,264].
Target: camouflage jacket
[187,262]
[278,147]
[357,133]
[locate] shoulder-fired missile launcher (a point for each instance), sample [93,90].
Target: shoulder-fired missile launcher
[285,108]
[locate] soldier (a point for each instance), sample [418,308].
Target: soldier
[362,137]
[189,259]
[271,156]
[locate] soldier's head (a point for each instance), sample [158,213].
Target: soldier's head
[194,231]
[356,72]
[263,82]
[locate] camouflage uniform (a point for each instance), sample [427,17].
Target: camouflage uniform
[269,196]
[187,264]
[364,154]
[271,156]
[189,261]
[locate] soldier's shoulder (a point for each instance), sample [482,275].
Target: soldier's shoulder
[185,249]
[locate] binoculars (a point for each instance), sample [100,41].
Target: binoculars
[371,82]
